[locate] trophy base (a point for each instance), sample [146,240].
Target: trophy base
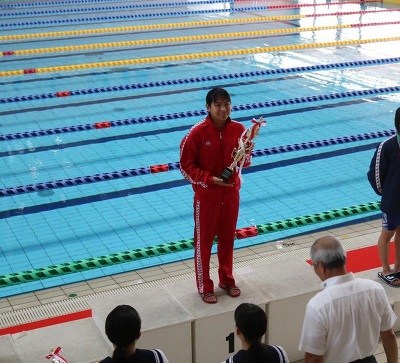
[226,174]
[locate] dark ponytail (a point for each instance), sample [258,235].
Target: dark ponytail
[123,326]
[257,353]
[119,355]
[251,320]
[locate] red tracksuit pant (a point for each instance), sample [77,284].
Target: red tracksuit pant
[214,218]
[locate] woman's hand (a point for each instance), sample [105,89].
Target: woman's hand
[219,181]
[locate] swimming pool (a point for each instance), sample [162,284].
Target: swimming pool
[94,106]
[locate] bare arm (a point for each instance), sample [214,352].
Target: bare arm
[390,345]
[312,358]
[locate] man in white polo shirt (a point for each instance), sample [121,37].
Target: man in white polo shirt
[344,321]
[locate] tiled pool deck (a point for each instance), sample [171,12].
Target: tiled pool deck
[183,268]
[352,236]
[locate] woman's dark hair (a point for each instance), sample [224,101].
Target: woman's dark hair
[251,320]
[216,93]
[122,329]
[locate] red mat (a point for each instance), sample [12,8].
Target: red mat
[47,322]
[366,258]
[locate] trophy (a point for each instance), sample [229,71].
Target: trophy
[245,145]
[55,356]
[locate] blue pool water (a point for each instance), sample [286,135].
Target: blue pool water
[62,225]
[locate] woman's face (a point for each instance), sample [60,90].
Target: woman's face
[219,110]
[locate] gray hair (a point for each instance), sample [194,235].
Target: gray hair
[329,251]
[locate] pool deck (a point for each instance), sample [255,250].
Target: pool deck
[41,305]
[185,269]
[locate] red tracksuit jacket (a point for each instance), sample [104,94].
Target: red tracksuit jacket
[206,151]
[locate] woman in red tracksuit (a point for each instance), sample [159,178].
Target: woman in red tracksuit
[205,152]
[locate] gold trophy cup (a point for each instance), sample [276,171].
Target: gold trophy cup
[244,145]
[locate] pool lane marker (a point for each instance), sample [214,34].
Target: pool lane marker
[75,10]
[199,113]
[102,8]
[179,246]
[229,76]
[65,21]
[191,56]
[153,6]
[85,2]
[185,25]
[189,38]
[153,169]
[178,13]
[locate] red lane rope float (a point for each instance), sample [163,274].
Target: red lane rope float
[28,71]
[246,232]
[102,125]
[63,94]
[159,168]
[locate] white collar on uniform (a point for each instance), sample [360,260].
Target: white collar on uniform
[336,280]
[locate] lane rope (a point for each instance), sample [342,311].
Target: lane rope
[90,179]
[183,114]
[189,38]
[191,56]
[184,24]
[229,76]
[130,17]
[152,6]
[103,8]
[73,2]
[109,8]
[180,246]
